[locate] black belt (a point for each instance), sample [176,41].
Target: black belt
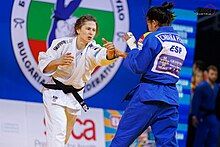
[68,89]
[143,80]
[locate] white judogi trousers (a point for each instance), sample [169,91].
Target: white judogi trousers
[56,107]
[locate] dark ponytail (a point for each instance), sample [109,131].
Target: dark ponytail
[163,14]
[167,6]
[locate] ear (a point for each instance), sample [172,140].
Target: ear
[77,31]
[155,22]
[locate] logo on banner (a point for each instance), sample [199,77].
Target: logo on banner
[33,29]
[208,10]
[112,119]
[89,131]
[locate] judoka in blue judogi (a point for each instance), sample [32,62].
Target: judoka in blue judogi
[158,58]
[204,111]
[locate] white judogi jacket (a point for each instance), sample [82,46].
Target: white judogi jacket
[79,72]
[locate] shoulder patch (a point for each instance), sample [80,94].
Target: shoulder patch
[141,39]
[59,44]
[95,46]
[95,54]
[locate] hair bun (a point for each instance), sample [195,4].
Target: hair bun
[167,5]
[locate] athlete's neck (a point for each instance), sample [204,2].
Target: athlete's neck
[80,44]
[211,83]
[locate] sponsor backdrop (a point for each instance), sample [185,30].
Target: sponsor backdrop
[26,125]
[27,27]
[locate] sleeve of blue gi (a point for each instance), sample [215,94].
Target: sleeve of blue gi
[196,101]
[138,60]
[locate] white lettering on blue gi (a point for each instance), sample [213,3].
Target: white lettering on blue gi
[170,37]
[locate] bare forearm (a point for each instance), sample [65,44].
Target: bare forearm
[110,54]
[66,59]
[52,66]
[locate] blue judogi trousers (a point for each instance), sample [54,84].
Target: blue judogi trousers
[138,116]
[207,132]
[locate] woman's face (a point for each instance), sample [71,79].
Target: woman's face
[87,32]
[198,77]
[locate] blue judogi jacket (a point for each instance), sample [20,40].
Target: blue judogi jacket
[204,99]
[158,58]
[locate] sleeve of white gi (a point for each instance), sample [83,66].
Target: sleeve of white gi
[45,58]
[100,56]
